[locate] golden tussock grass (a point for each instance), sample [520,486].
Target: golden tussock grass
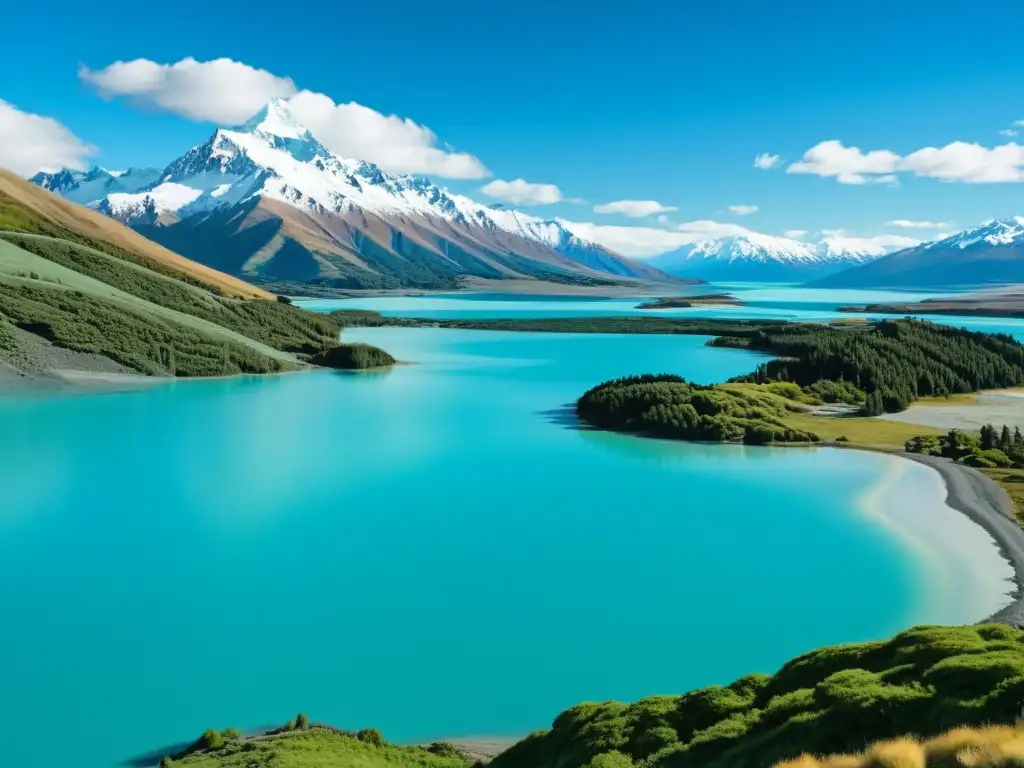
[993,747]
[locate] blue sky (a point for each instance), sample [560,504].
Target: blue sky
[649,101]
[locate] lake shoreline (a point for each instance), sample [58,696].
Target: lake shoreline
[986,504]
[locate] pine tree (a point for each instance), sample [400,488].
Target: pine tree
[1005,441]
[988,437]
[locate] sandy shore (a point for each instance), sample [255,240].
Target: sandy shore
[984,502]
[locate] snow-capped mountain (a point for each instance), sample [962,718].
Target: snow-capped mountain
[89,186]
[268,201]
[991,253]
[756,257]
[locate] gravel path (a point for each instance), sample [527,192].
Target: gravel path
[984,502]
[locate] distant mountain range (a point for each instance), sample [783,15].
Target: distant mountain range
[991,253]
[755,257]
[270,203]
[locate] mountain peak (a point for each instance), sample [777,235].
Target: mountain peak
[275,119]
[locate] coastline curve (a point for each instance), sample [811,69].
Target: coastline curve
[985,503]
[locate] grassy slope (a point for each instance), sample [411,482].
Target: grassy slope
[314,748]
[24,207]
[151,311]
[922,682]
[17,266]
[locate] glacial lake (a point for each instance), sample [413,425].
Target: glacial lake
[436,551]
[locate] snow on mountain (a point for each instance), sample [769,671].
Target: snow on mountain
[273,159]
[91,186]
[763,257]
[995,232]
[990,253]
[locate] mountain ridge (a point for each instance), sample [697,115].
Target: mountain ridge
[754,256]
[990,253]
[350,224]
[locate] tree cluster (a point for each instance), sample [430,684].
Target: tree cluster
[893,362]
[989,448]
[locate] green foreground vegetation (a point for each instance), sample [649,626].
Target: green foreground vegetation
[920,683]
[89,296]
[300,744]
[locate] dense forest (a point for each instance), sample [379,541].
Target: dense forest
[894,362]
[882,367]
[922,682]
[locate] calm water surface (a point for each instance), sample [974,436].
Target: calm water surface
[434,551]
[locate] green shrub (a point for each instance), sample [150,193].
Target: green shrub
[447,749]
[211,739]
[371,736]
[353,356]
[301,721]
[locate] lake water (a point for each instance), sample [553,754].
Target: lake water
[436,551]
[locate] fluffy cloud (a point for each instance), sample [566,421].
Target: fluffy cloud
[30,143]
[743,210]
[522,192]
[398,145]
[635,209]
[848,164]
[228,92]
[970,163]
[794,234]
[877,243]
[958,161]
[914,224]
[766,161]
[221,91]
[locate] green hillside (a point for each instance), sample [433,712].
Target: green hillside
[154,317]
[922,682]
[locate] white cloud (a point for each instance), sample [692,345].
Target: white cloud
[635,209]
[847,164]
[743,210]
[228,92]
[970,163]
[915,224]
[766,161]
[958,161]
[794,234]
[522,192]
[31,143]
[705,229]
[1008,132]
[1019,123]
[221,91]
[876,243]
[642,242]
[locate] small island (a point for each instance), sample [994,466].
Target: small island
[685,302]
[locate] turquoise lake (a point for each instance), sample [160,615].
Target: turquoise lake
[435,551]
